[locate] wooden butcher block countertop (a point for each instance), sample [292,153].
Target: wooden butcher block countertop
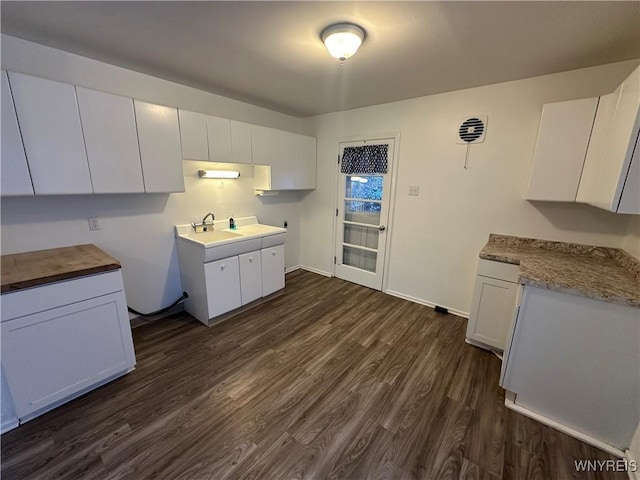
[32,269]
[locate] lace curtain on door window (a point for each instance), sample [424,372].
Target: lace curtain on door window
[367,159]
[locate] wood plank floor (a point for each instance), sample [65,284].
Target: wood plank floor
[329,380]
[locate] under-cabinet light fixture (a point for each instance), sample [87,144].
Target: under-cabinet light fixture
[218,173]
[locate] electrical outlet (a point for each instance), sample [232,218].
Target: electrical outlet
[93,223]
[414,190]
[286,224]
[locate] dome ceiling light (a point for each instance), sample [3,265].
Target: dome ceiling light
[342,39]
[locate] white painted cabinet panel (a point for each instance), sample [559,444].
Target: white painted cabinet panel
[111,138]
[630,198]
[272,269]
[492,310]
[16,179]
[52,135]
[53,354]
[283,160]
[241,142]
[576,361]
[250,276]
[160,151]
[261,145]
[193,135]
[8,416]
[219,134]
[611,148]
[305,162]
[563,137]
[282,151]
[222,279]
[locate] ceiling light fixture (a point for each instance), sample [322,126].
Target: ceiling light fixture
[218,173]
[342,39]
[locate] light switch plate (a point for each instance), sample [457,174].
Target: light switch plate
[414,190]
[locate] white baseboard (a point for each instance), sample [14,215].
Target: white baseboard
[8,425]
[509,402]
[427,303]
[292,269]
[315,270]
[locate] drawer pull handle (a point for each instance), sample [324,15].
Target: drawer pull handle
[250,259]
[223,266]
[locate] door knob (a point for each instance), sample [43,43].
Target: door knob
[382,228]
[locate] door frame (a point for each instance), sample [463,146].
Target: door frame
[392,195]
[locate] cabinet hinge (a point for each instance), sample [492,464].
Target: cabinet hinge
[336,212]
[335,259]
[338,159]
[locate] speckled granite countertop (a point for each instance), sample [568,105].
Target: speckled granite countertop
[608,274]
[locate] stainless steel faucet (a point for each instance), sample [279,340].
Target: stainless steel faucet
[210,214]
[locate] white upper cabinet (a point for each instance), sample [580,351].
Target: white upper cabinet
[283,160]
[305,162]
[16,179]
[193,133]
[563,138]
[608,170]
[219,134]
[109,126]
[52,135]
[241,142]
[160,152]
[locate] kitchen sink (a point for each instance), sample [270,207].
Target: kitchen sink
[223,242]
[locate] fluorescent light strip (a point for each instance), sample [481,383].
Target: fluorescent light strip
[218,173]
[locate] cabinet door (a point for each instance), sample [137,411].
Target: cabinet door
[160,152]
[613,141]
[272,269]
[261,146]
[222,279]
[241,142]
[193,135]
[16,179]
[491,311]
[563,137]
[283,153]
[52,135]
[219,133]
[630,199]
[111,138]
[250,276]
[305,162]
[54,354]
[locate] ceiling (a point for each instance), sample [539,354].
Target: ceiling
[270,53]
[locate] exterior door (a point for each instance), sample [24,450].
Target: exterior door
[364,187]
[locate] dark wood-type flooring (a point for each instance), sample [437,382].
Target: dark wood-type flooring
[329,380]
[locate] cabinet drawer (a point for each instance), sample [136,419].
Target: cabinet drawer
[38,299]
[502,271]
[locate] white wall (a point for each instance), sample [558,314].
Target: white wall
[436,236]
[138,229]
[631,242]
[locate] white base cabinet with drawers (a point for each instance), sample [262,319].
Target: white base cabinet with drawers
[63,339]
[493,305]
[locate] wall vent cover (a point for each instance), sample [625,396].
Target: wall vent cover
[472,129]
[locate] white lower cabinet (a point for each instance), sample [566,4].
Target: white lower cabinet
[272,269]
[494,301]
[222,280]
[250,276]
[55,347]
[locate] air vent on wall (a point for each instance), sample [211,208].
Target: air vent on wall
[471,130]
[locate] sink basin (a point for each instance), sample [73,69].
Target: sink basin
[215,236]
[223,242]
